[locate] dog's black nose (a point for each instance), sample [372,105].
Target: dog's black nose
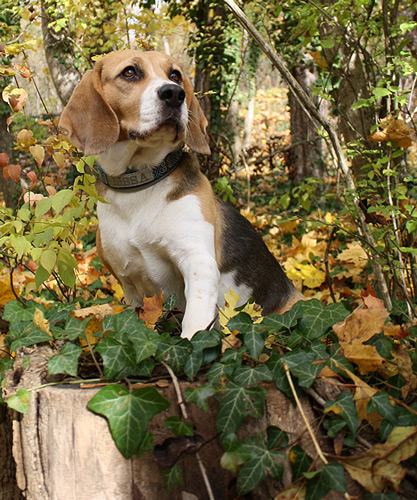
[172,94]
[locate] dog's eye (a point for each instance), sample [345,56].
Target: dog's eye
[129,72]
[175,76]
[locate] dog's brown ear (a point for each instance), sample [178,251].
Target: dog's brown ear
[87,119]
[197,123]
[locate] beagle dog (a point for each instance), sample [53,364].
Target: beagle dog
[162,229]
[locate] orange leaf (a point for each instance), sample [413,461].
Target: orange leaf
[17,99]
[50,190]
[12,172]
[32,177]
[151,310]
[4,160]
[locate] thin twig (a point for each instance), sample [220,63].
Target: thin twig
[177,387]
[90,348]
[303,415]
[183,409]
[326,263]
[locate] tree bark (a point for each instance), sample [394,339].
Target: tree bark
[8,485]
[64,75]
[305,153]
[8,188]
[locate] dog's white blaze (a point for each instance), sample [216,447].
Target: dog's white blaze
[170,243]
[151,107]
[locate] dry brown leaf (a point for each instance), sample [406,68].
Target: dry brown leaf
[379,467]
[99,311]
[151,310]
[393,130]
[40,321]
[405,369]
[366,357]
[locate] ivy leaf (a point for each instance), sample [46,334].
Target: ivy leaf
[66,362]
[318,319]
[201,340]
[276,322]
[246,375]
[235,403]
[304,365]
[146,444]
[234,455]
[345,409]
[179,427]
[253,334]
[74,328]
[172,476]
[25,334]
[274,364]
[15,311]
[174,351]
[119,358]
[128,413]
[276,438]
[261,463]
[144,341]
[199,395]
[218,371]
[330,477]
[300,462]
[125,322]
[19,401]
[381,403]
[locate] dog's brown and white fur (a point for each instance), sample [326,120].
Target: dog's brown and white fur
[133,109]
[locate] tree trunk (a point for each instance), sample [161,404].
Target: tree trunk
[8,485]
[305,153]
[8,188]
[64,75]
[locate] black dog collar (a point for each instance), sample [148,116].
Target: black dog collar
[135,180]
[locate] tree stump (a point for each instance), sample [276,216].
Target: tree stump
[65,452]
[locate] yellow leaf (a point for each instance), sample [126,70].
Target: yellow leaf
[6,292]
[311,276]
[354,254]
[41,322]
[117,291]
[366,357]
[38,153]
[329,218]
[94,325]
[231,300]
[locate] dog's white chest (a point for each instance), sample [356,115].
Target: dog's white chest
[148,240]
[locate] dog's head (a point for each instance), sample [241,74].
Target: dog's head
[145,97]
